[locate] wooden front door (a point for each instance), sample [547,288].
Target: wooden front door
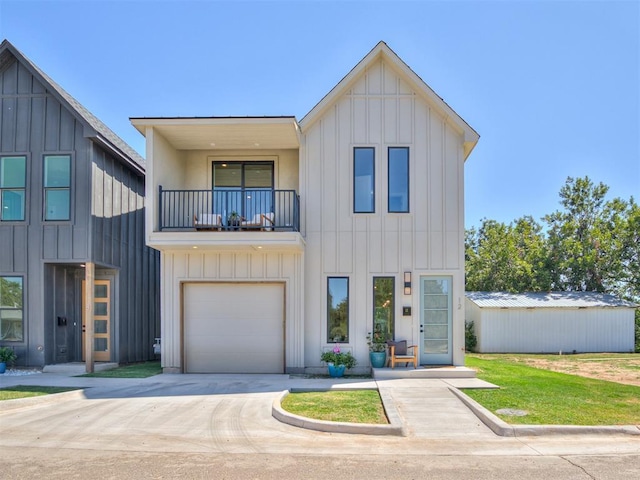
[101,321]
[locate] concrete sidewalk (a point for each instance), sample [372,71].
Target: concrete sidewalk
[232,413]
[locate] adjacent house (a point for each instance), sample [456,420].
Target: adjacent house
[280,238]
[551,322]
[71,200]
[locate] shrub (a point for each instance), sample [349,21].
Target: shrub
[470,339]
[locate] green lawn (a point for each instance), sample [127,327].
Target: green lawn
[24,391]
[354,406]
[135,370]
[550,397]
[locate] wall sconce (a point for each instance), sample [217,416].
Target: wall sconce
[407,283]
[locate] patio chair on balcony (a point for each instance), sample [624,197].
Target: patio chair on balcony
[260,221]
[207,221]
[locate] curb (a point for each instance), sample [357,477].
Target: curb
[7,405]
[504,429]
[395,427]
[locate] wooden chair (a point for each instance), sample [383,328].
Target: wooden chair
[207,221]
[399,353]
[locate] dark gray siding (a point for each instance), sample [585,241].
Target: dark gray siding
[118,241]
[106,227]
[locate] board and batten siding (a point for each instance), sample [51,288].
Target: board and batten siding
[552,330]
[106,226]
[178,267]
[381,110]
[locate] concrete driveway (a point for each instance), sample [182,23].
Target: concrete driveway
[232,414]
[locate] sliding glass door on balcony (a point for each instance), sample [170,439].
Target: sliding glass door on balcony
[243,188]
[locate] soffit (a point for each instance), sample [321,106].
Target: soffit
[224,133]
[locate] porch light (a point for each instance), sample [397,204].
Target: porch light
[407,283]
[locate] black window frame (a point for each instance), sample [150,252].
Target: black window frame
[331,339]
[22,309]
[46,189]
[373,180]
[390,333]
[22,189]
[389,170]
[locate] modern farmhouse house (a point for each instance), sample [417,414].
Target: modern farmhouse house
[71,223]
[281,238]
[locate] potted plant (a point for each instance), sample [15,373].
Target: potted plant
[233,220]
[7,356]
[337,361]
[377,342]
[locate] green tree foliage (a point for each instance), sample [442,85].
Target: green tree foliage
[510,258]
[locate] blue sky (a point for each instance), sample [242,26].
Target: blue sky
[551,86]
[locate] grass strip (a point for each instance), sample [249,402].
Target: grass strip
[26,391]
[353,406]
[135,370]
[552,398]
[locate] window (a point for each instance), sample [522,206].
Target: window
[243,187]
[384,306]
[363,180]
[11,311]
[12,188]
[57,187]
[398,167]
[338,309]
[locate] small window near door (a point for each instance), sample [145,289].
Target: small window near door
[384,306]
[398,168]
[338,310]
[11,309]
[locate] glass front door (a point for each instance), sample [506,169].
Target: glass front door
[101,321]
[435,320]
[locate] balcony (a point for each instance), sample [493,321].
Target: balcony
[229,210]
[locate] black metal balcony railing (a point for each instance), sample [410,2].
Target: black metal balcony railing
[229,209]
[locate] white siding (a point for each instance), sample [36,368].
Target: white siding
[380,110]
[551,330]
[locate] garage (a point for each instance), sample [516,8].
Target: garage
[233,327]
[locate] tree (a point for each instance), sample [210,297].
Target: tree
[510,258]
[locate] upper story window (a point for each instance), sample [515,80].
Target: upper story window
[12,188]
[337,309]
[364,180]
[11,310]
[57,187]
[398,168]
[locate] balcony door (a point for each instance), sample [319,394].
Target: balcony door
[245,188]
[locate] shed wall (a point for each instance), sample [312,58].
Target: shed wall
[551,330]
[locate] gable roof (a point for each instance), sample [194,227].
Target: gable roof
[547,300]
[382,50]
[94,128]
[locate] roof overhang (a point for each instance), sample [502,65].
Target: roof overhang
[221,133]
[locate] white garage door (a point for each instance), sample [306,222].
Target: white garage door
[233,328]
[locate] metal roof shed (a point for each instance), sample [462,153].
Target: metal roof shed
[551,322]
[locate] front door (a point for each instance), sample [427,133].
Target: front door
[101,321]
[435,320]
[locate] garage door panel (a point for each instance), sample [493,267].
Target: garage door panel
[234,328]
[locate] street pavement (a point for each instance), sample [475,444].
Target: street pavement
[169,424]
